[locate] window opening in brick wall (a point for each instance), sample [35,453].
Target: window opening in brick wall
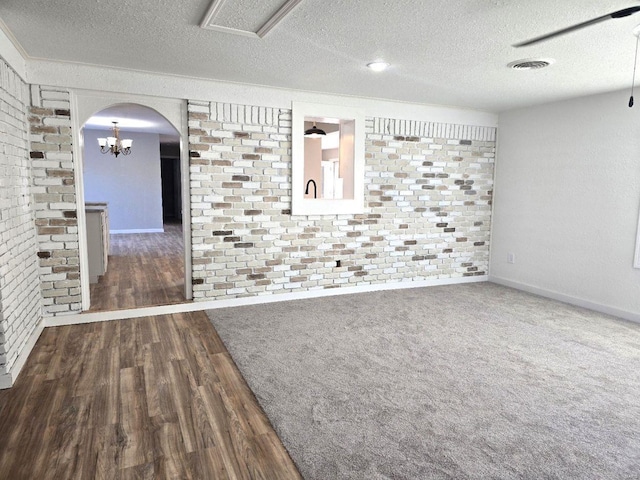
[328,168]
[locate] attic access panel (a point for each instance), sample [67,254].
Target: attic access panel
[249,18]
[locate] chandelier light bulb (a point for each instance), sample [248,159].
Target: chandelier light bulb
[114,145]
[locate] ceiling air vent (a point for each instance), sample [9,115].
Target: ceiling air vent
[530,64]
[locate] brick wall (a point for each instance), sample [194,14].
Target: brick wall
[55,199]
[20,306]
[427,197]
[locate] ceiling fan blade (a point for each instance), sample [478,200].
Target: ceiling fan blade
[617,14]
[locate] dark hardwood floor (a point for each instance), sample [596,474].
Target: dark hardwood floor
[144,269]
[153,397]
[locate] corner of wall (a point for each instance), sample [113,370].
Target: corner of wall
[12,52]
[8,379]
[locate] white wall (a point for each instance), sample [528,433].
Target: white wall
[567,195]
[131,184]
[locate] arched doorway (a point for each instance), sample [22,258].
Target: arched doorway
[133,209]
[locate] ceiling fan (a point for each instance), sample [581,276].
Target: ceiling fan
[625,12]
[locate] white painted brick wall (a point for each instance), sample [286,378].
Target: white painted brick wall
[428,190]
[20,304]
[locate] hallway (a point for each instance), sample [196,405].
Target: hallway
[145,269]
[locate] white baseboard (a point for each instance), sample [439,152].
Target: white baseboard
[7,380]
[329,292]
[81,318]
[580,302]
[137,230]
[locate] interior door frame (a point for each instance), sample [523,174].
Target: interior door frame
[84,104]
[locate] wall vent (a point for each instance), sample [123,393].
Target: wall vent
[530,64]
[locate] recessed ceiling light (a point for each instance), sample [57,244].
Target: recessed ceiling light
[531,63]
[378,66]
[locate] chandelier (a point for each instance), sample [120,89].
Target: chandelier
[114,145]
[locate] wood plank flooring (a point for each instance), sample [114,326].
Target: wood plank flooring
[144,269]
[153,397]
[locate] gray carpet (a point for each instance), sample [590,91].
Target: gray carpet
[463,381]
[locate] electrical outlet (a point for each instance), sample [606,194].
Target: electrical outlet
[511,258]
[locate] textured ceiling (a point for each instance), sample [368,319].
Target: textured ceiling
[441,52]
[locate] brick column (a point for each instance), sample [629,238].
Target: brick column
[55,199]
